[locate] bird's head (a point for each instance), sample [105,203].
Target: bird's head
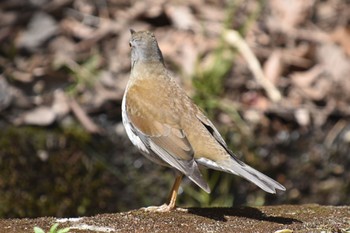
[144,47]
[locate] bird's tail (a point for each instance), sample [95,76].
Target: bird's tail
[239,168]
[264,182]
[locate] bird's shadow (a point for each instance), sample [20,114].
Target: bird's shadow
[219,214]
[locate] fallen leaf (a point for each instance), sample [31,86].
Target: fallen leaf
[273,67]
[341,35]
[35,34]
[77,29]
[5,94]
[302,115]
[22,76]
[181,16]
[291,14]
[335,61]
[306,78]
[337,65]
[312,84]
[41,116]
[60,105]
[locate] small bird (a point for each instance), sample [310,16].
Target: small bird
[169,129]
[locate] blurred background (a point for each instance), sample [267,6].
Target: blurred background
[278,92]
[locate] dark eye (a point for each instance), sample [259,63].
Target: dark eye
[130,44]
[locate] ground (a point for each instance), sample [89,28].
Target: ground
[273,76]
[283,219]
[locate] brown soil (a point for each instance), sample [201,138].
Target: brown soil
[290,218]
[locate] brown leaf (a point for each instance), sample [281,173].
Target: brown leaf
[320,90]
[41,116]
[312,84]
[302,115]
[337,64]
[273,67]
[21,76]
[41,27]
[5,93]
[73,27]
[63,51]
[306,78]
[83,118]
[341,35]
[60,104]
[256,100]
[291,14]
[181,16]
[334,60]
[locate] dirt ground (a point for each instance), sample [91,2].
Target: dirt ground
[282,219]
[279,93]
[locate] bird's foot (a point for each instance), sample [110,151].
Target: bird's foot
[163,208]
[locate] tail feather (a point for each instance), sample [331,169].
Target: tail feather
[264,182]
[241,169]
[197,177]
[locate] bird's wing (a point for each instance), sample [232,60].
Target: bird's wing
[169,143]
[234,165]
[215,133]
[210,127]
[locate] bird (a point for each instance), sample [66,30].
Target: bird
[169,129]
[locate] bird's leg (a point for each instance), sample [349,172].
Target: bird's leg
[172,198]
[174,191]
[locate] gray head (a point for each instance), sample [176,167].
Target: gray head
[144,47]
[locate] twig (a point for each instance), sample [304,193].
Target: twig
[334,132]
[84,119]
[314,35]
[234,39]
[287,57]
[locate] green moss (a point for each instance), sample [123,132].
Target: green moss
[48,172]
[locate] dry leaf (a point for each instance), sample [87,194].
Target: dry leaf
[41,116]
[35,34]
[337,64]
[256,100]
[291,14]
[77,29]
[21,76]
[341,35]
[306,78]
[302,115]
[334,60]
[181,16]
[5,93]
[273,67]
[312,84]
[60,105]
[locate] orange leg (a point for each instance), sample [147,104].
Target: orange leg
[174,191]
[172,198]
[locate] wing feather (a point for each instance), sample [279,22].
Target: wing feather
[170,144]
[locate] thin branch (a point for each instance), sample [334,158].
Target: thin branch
[84,119]
[234,39]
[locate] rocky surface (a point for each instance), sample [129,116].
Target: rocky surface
[283,218]
[64,65]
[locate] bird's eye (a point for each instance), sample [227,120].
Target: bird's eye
[130,44]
